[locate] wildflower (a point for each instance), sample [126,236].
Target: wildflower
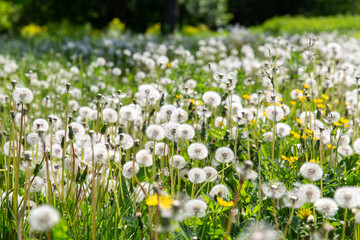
[197,151]
[311,171]
[43,218]
[274,189]
[110,115]
[220,122]
[144,158]
[177,161]
[179,116]
[40,125]
[155,132]
[127,170]
[170,129]
[356,146]
[345,151]
[268,137]
[304,213]
[129,113]
[164,202]
[210,173]
[195,208]
[185,131]
[224,155]
[196,175]
[23,95]
[282,130]
[166,112]
[294,199]
[274,113]
[224,203]
[219,190]
[161,149]
[347,197]
[326,207]
[310,192]
[78,129]
[211,98]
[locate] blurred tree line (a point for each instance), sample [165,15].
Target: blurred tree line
[138,15]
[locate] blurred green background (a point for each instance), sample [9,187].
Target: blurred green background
[140,15]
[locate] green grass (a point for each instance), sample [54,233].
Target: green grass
[300,24]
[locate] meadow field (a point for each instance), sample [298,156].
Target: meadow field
[235,134]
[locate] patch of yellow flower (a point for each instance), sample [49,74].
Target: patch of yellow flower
[298,121]
[32,30]
[306,86]
[329,146]
[164,202]
[246,96]
[295,134]
[325,97]
[304,213]
[289,159]
[224,203]
[116,24]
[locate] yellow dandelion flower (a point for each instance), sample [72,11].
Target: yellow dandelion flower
[298,121]
[293,103]
[325,97]
[306,86]
[246,96]
[166,202]
[304,213]
[224,203]
[152,200]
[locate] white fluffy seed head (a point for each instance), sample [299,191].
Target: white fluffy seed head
[326,207]
[43,218]
[311,192]
[23,95]
[311,171]
[196,175]
[274,113]
[347,197]
[294,199]
[224,155]
[128,169]
[110,115]
[219,190]
[177,161]
[211,98]
[197,151]
[144,158]
[195,208]
[185,131]
[210,173]
[155,132]
[274,189]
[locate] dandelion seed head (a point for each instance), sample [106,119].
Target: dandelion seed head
[195,208]
[43,218]
[196,175]
[197,151]
[326,207]
[311,171]
[144,158]
[347,197]
[219,190]
[224,155]
[127,170]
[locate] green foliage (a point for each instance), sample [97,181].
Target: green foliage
[301,24]
[214,13]
[8,15]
